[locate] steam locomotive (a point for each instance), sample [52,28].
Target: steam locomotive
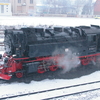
[39,49]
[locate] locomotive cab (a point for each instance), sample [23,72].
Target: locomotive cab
[92,43]
[93,38]
[98,42]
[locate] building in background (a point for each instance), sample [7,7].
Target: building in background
[5,8]
[23,7]
[97,7]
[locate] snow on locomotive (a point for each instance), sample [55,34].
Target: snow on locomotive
[41,49]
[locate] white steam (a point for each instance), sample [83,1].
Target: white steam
[68,61]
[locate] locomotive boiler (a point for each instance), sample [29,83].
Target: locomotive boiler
[39,49]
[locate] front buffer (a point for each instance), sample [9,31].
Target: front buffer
[9,67]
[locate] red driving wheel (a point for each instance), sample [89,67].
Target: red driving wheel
[85,61]
[41,70]
[53,67]
[19,75]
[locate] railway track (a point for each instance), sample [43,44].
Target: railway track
[57,92]
[1,46]
[1,40]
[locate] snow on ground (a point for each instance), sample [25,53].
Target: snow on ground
[48,21]
[15,88]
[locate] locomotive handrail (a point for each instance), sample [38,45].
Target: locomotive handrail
[46,58]
[53,57]
[97,54]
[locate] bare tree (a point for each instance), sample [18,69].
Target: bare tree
[61,6]
[88,8]
[57,6]
[79,5]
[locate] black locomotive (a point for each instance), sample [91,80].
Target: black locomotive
[28,50]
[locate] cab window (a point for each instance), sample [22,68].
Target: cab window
[92,38]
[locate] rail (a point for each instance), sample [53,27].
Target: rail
[64,91]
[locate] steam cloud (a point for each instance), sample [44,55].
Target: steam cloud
[68,61]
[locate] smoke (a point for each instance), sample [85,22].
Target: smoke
[97,62]
[68,60]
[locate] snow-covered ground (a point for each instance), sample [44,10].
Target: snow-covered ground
[16,88]
[34,86]
[48,21]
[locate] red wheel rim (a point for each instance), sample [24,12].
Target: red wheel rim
[19,75]
[53,68]
[41,70]
[85,62]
